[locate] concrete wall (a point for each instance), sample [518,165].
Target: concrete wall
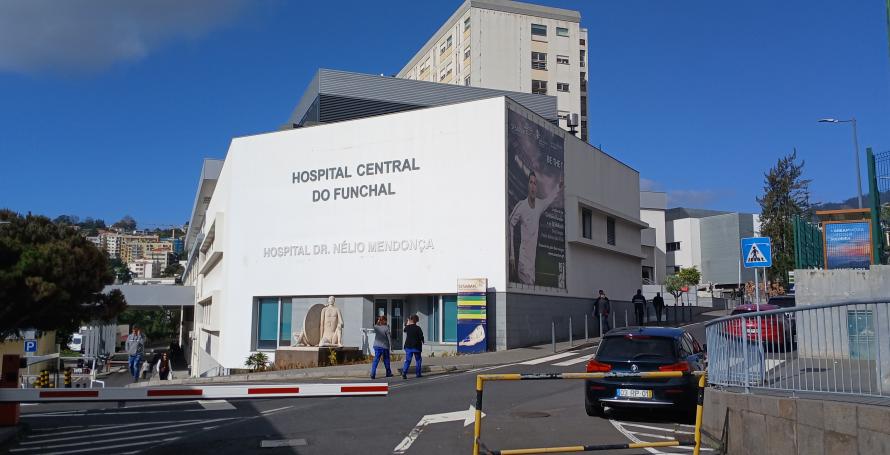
[825,333]
[764,425]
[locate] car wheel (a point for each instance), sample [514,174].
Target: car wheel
[593,409]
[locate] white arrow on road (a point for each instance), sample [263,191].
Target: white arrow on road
[467,416]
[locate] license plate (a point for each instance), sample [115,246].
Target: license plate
[634,393]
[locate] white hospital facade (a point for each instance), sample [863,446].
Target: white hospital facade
[388,211]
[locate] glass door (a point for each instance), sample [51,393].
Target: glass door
[397,322]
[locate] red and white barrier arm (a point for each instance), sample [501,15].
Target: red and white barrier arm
[215,392]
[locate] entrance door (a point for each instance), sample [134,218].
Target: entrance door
[393,309]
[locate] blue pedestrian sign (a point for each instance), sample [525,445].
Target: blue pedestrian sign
[30,345]
[757,252]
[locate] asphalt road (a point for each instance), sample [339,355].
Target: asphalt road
[410,420]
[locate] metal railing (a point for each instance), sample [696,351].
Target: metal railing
[842,349]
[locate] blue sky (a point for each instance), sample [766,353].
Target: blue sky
[108,109]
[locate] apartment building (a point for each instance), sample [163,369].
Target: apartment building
[514,46]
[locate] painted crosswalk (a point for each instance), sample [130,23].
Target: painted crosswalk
[659,432]
[549,358]
[574,361]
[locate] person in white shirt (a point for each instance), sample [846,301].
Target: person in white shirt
[527,214]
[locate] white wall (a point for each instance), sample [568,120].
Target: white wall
[456,200]
[687,231]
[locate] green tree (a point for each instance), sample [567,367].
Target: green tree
[785,194]
[172,270]
[158,325]
[674,284]
[51,277]
[127,223]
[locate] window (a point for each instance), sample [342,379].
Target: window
[610,230]
[562,59]
[273,323]
[673,246]
[539,30]
[466,53]
[586,222]
[445,73]
[466,24]
[562,87]
[582,41]
[539,61]
[583,55]
[583,82]
[584,106]
[467,81]
[446,45]
[561,31]
[539,87]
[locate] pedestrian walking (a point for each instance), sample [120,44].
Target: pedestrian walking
[658,303]
[135,349]
[165,367]
[603,307]
[382,346]
[413,346]
[639,306]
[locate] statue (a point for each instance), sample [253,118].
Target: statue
[331,325]
[311,334]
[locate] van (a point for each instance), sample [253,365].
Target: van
[76,343]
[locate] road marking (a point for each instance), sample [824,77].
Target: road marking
[92,442]
[772,364]
[216,405]
[654,428]
[549,358]
[99,427]
[276,409]
[105,448]
[570,362]
[467,416]
[115,433]
[266,443]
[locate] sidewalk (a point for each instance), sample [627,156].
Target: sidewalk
[431,365]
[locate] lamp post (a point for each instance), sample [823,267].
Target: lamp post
[855,151]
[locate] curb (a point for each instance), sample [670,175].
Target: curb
[322,374]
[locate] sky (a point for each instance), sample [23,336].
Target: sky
[108,108]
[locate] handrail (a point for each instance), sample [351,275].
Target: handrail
[794,309]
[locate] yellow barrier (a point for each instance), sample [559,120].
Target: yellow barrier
[480,382]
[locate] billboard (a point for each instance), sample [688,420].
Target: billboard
[847,244]
[535,204]
[472,311]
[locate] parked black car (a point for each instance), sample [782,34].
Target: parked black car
[639,349]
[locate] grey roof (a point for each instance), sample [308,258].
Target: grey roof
[655,200]
[341,95]
[506,6]
[679,213]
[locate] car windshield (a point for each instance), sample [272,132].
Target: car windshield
[622,348]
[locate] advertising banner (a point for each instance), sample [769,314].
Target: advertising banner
[471,314]
[847,244]
[535,204]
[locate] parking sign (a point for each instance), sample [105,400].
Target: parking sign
[30,345]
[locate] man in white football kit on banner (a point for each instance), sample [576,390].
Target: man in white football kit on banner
[527,214]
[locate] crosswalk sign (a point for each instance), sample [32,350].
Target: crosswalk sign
[757,252]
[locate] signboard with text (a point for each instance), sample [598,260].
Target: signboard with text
[472,309]
[847,244]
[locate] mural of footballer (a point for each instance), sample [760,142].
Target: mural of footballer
[527,215]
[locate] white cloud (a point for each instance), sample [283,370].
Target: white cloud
[691,198]
[649,185]
[85,36]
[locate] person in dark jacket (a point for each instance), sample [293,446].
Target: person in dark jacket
[658,303]
[639,306]
[602,307]
[382,346]
[413,345]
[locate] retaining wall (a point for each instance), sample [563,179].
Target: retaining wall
[764,425]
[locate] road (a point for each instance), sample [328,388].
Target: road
[420,416]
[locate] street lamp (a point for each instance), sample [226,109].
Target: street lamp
[855,151]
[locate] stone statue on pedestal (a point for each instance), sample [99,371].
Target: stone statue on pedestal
[331,324]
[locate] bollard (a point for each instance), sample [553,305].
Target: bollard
[625,318]
[571,341]
[586,333]
[600,320]
[553,334]
[10,412]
